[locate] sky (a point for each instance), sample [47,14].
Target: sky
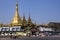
[41,11]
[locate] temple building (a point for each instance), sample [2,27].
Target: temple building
[19,25]
[16,19]
[16,24]
[24,21]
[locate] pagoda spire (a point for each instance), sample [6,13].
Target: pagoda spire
[24,22]
[16,20]
[29,20]
[16,12]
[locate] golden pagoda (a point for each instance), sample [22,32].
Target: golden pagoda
[24,22]
[16,20]
[29,21]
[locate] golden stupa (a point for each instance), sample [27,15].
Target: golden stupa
[16,20]
[29,22]
[24,22]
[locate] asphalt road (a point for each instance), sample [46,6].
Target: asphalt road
[31,38]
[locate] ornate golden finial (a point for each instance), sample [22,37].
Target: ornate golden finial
[16,8]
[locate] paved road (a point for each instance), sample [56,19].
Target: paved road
[32,38]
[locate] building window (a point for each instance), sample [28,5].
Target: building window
[6,29]
[17,29]
[13,29]
[3,29]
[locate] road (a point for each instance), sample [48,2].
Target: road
[31,38]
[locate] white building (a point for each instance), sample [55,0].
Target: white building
[45,29]
[15,28]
